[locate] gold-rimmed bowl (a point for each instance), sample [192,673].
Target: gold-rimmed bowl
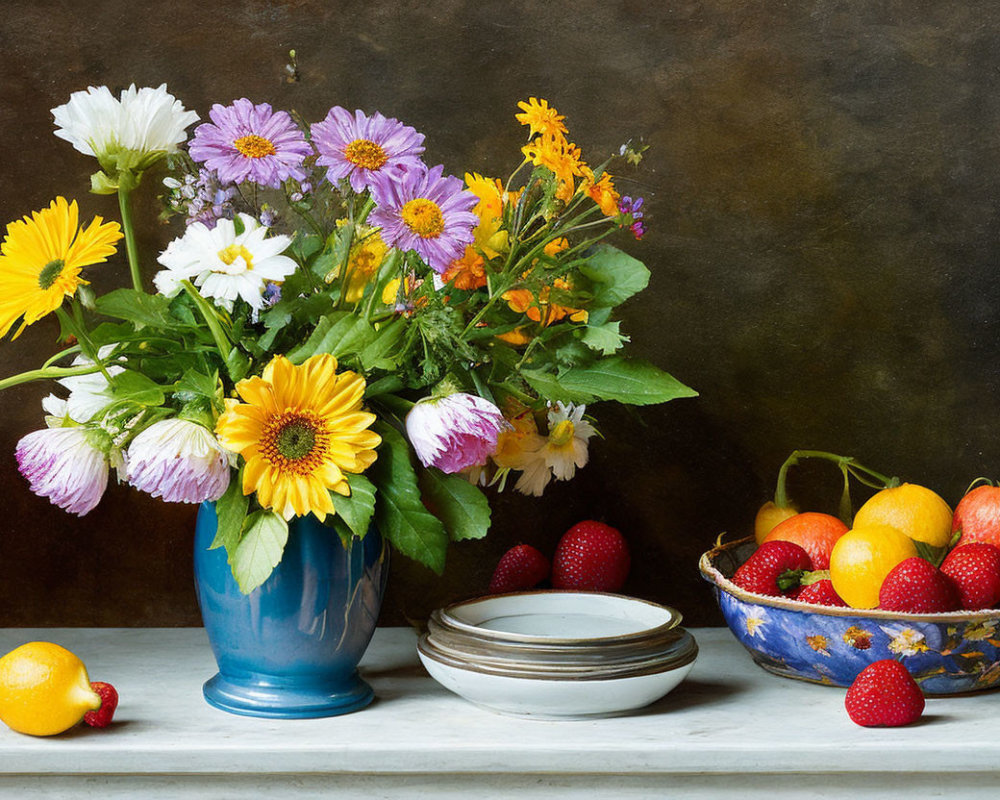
[947,654]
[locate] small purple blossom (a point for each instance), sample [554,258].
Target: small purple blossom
[179,461]
[632,209]
[64,465]
[455,431]
[272,294]
[247,142]
[359,147]
[423,211]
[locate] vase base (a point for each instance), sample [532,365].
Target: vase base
[253,698]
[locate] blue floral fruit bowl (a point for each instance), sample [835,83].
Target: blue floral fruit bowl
[951,653]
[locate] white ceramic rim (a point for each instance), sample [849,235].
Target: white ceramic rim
[427,650]
[470,626]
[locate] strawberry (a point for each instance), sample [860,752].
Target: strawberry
[522,567]
[975,570]
[820,593]
[884,695]
[915,586]
[591,556]
[101,718]
[774,569]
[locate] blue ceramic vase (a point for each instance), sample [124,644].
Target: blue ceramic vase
[290,649]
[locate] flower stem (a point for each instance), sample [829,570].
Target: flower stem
[847,464]
[76,327]
[131,250]
[47,373]
[211,319]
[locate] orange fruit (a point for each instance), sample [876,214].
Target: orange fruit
[914,510]
[814,532]
[977,516]
[862,558]
[768,516]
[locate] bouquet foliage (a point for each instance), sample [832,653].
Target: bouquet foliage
[338,329]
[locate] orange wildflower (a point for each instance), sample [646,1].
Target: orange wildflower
[540,117]
[466,273]
[603,193]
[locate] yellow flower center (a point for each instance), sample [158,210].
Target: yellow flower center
[366,154]
[423,217]
[294,442]
[237,259]
[562,434]
[50,273]
[254,146]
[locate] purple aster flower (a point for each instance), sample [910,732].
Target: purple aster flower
[179,461]
[359,147]
[455,431]
[64,465]
[250,142]
[421,210]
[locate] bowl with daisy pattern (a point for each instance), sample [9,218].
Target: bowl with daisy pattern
[953,653]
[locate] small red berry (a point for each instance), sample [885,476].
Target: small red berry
[101,718]
[915,586]
[591,556]
[975,570]
[520,568]
[884,695]
[770,562]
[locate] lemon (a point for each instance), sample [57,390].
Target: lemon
[915,510]
[768,516]
[862,558]
[44,689]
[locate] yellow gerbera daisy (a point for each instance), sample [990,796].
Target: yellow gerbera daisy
[41,258]
[540,116]
[300,429]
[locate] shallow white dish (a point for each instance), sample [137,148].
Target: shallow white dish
[579,619]
[554,697]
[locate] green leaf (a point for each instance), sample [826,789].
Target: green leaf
[462,508]
[629,381]
[375,355]
[259,551]
[194,383]
[237,364]
[606,338]
[136,388]
[137,307]
[340,333]
[615,274]
[356,510]
[399,512]
[231,511]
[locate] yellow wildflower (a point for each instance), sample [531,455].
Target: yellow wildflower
[540,117]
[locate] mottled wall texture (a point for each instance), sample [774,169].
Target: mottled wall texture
[822,188]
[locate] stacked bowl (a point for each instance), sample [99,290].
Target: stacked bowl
[558,655]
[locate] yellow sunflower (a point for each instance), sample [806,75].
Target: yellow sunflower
[300,429]
[41,258]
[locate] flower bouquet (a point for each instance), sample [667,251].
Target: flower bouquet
[339,330]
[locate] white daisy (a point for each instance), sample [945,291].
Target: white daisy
[143,121]
[87,393]
[559,454]
[225,265]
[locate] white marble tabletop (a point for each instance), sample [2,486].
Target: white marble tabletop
[729,727]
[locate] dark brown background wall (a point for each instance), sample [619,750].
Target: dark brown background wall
[822,191]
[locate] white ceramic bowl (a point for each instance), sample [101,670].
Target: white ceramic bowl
[552,697]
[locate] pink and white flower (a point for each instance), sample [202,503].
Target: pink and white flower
[64,465]
[455,431]
[179,461]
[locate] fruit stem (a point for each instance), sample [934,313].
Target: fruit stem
[848,466]
[980,481]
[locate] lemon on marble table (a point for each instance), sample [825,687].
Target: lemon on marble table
[44,689]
